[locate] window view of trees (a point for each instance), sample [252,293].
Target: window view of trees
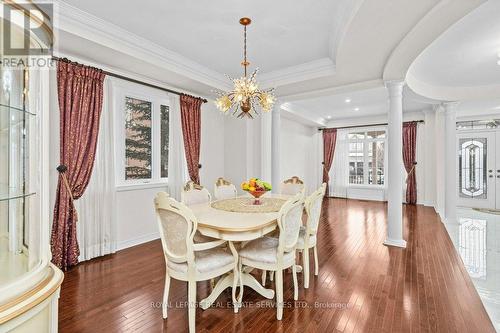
[164,133]
[138,138]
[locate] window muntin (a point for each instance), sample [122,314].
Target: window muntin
[366,157]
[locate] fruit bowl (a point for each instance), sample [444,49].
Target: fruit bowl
[257,195]
[256,188]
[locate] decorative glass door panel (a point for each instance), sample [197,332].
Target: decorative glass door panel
[476,162]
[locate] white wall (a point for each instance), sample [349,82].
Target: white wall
[212,145]
[299,152]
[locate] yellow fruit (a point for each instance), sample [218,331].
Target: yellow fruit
[251,188]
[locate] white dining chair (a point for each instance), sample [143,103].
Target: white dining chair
[185,260]
[292,186]
[193,194]
[224,189]
[277,254]
[308,233]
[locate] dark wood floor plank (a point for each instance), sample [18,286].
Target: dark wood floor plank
[362,286]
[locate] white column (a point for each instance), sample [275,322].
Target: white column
[395,162]
[439,135]
[429,148]
[275,148]
[450,162]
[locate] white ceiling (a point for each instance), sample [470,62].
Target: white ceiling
[466,54]
[316,52]
[209,33]
[370,102]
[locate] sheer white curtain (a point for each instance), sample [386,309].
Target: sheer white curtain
[177,167]
[96,227]
[339,173]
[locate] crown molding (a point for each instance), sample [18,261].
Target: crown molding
[85,25]
[293,74]
[338,89]
[298,114]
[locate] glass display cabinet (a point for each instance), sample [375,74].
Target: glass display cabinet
[29,283]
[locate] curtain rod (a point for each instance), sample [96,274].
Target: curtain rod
[370,125]
[137,81]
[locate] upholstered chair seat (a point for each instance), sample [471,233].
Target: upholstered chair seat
[264,250]
[206,262]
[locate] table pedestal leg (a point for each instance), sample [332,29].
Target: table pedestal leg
[227,281]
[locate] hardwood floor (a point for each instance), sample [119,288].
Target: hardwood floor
[363,286]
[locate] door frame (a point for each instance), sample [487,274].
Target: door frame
[493,194]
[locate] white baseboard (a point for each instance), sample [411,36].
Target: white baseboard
[395,242]
[137,240]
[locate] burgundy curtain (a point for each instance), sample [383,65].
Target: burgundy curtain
[329,140]
[191,131]
[409,160]
[80,94]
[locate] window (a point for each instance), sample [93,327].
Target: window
[366,157]
[143,121]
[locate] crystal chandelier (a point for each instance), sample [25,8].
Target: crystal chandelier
[246,95]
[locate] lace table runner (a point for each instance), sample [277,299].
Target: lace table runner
[245,205]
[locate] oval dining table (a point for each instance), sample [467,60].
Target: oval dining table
[235,227]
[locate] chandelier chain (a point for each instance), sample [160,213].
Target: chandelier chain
[245,63]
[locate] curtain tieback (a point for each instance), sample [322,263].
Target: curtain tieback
[411,171]
[62,171]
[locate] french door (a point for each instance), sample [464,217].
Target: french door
[479,169]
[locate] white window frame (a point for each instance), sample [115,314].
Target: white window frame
[157,98]
[365,155]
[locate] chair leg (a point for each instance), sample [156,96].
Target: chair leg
[279,293]
[240,277]
[271,275]
[236,275]
[316,268]
[192,306]
[295,284]
[264,275]
[164,305]
[305,262]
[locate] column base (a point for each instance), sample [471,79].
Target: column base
[395,242]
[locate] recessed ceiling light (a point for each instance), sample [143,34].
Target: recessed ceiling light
[328,117]
[348,100]
[356,109]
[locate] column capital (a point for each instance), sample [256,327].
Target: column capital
[395,87]
[390,83]
[450,107]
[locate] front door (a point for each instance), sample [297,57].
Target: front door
[478,169]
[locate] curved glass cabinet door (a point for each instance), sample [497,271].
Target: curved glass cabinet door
[21,235]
